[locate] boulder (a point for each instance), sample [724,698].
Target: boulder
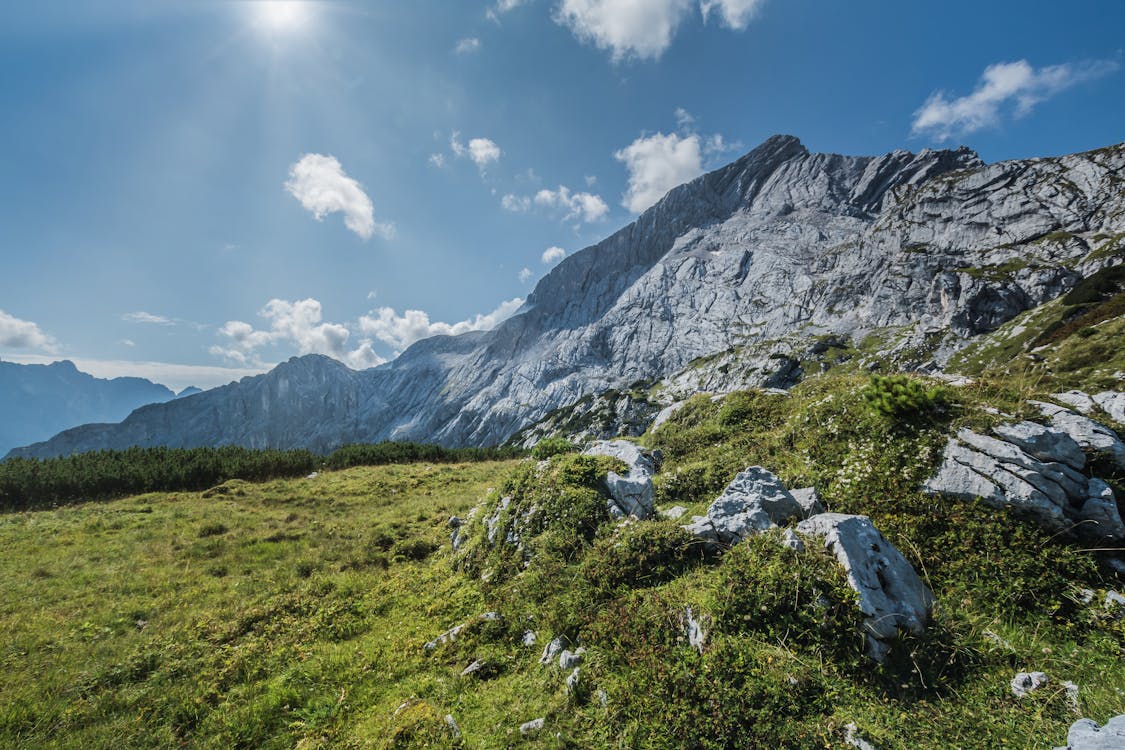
[551,650]
[532,727]
[569,659]
[1044,443]
[1112,403]
[753,502]
[891,595]
[1085,734]
[632,493]
[1092,436]
[1077,400]
[1099,515]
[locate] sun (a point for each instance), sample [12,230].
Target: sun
[282,15]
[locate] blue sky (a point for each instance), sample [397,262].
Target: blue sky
[194,191]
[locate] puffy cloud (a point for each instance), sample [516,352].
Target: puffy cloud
[23,334]
[586,207]
[735,14]
[525,275]
[503,6]
[658,163]
[467,46]
[553,255]
[437,160]
[296,323]
[1014,87]
[400,331]
[627,28]
[482,151]
[144,317]
[321,185]
[515,203]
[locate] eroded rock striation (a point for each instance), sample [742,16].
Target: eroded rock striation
[748,265]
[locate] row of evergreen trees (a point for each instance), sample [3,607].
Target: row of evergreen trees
[27,484]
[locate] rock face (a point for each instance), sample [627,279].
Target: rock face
[753,502]
[748,262]
[1092,436]
[891,595]
[632,494]
[1036,471]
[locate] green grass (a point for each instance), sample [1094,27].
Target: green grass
[294,613]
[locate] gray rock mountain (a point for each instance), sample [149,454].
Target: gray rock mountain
[37,401]
[748,265]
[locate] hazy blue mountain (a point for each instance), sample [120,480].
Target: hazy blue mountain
[38,401]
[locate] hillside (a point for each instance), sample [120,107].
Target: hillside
[38,401]
[501,605]
[906,255]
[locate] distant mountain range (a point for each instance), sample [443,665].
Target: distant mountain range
[38,401]
[727,282]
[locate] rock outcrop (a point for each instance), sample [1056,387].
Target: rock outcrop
[725,283]
[891,595]
[753,502]
[633,493]
[1085,734]
[1034,470]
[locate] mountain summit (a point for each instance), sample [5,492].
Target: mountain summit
[749,266]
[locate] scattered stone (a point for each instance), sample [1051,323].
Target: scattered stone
[957,381]
[603,697]
[694,629]
[1113,600]
[673,513]
[792,541]
[551,650]
[809,500]
[453,728]
[1025,683]
[1085,734]
[1072,696]
[632,493]
[492,617]
[447,637]
[477,666]
[572,681]
[493,521]
[1085,596]
[851,736]
[1112,403]
[1077,400]
[568,658]
[891,595]
[1100,511]
[314,475]
[455,525]
[529,638]
[532,727]
[753,502]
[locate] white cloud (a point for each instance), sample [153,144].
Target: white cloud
[23,334]
[517,204]
[627,28]
[437,160]
[128,342]
[591,180]
[735,14]
[1003,88]
[658,163]
[525,275]
[321,185]
[467,46]
[586,207]
[553,255]
[295,323]
[482,151]
[503,6]
[144,317]
[400,331]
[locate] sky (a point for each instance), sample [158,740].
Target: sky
[194,191]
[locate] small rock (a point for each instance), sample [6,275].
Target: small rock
[532,727]
[477,666]
[455,525]
[792,541]
[568,658]
[603,697]
[1072,696]
[693,629]
[453,728]
[1025,683]
[529,638]
[809,500]
[1113,600]
[1085,596]
[446,637]
[851,736]
[632,494]
[572,681]
[673,513]
[551,650]
[314,475]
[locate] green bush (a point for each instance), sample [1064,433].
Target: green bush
[901,396]
[642,554]
[552,446]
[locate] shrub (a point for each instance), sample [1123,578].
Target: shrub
[552,446]
[642,554]
[901,396]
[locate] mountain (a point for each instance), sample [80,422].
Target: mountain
[191,390]
[729,281]
[37,401]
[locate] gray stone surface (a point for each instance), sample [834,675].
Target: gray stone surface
[1033,470]
[891,595]
[632,493]
[1092,436]
[535,726]
[746,265]
[753,502]
[1085,734]
[809,500]
[569,659]
[1026,683]
[1112,403]
[1077,400]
